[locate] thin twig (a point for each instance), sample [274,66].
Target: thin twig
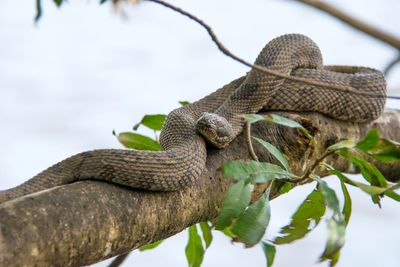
[248,140]
[226,52]
[316,163]
[118,260]
[355,23]
[391,64]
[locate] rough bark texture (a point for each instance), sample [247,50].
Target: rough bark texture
[86,222]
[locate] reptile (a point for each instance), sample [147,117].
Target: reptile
[218,119]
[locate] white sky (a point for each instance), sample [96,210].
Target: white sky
[83,71]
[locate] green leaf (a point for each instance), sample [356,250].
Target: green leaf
[392,195]
[207,234]
[369,141]
[58,2]
[254,171]
[184,103]
[275,152]
[252,118]
[227,231]
[151,245]
[138,141]
[334,259]
[283,121]
[341,145]
[153,121]
[374,190]
[378,148]
[103,1]
[367,169]
[289,123]
[311,210]
[269,251]
[250,226]
[336,238]
[330,197]
[273,118]
[38,10]
[236,201]
[347,206]
[194,248]
[285,187]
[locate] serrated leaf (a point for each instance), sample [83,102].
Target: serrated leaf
[254,171]
[310,211]
[236,201]
[250,226]
[269,251]
[341,145]
[194,248]
[336,238]
[184,103]
[152,121]
[138,141]
[151,245]
[207,234]
[275,152]
[330,197]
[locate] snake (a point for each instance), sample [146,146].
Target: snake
[218,118]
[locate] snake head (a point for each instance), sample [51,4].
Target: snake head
[215,129]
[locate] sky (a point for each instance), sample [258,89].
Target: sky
[84,70]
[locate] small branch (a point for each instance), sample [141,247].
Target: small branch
[248,141]
[119,260]
[225,51]
[391,64]
[355,23]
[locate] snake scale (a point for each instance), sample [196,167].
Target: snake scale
[218,118]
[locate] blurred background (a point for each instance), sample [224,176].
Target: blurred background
[84,70]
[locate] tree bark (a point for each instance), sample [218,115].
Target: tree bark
[86,222]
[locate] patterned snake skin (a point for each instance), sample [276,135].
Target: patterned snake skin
[184,152]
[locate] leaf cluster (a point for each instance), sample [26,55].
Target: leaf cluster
[247,222]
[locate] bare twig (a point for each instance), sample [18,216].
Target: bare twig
[228,53]
[391,64]
[355,23]
[248,141]
[118,260]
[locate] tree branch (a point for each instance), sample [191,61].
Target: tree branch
[354,22]
[89,221]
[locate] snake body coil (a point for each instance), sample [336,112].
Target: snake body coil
[184,152]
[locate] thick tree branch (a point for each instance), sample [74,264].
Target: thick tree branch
[89,221]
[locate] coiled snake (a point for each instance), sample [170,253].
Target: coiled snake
[219,118]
